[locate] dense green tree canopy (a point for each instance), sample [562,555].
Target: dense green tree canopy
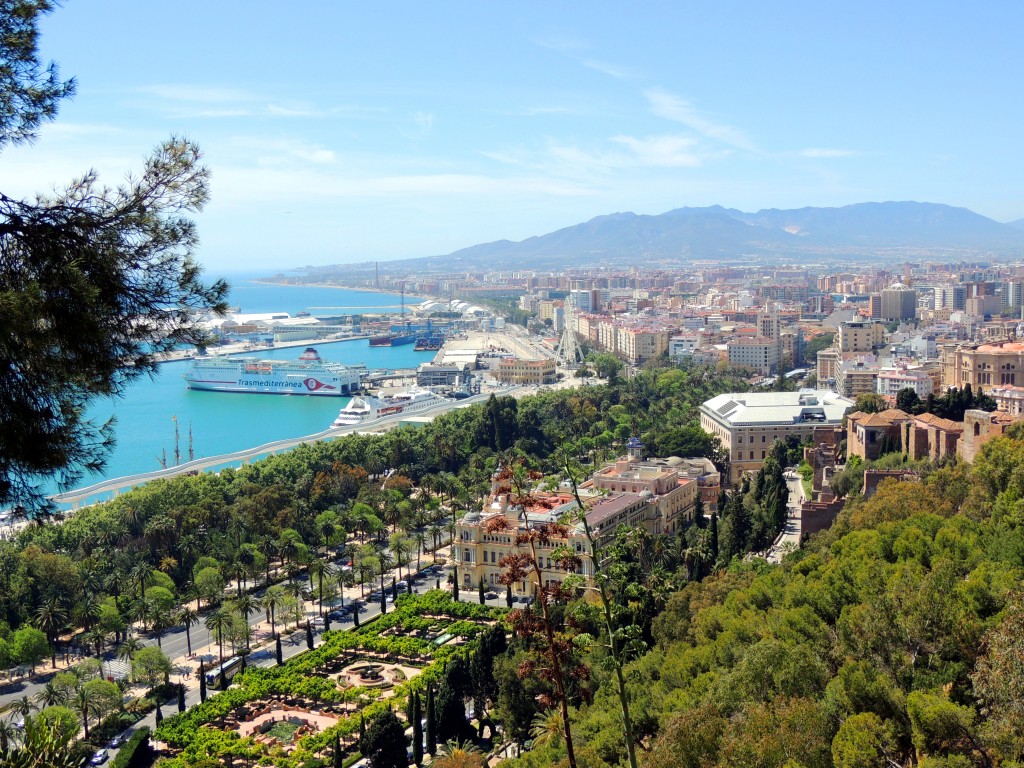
[96,282]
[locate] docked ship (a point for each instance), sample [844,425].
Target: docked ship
[308,375]
[367,408]
[393,340]
[430,343]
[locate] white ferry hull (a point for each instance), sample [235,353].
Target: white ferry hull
[316,388]
[309,375]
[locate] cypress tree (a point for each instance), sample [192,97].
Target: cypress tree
[698,512]
[362,732]
[278,650]
[355,617]
[431,725]
[417,730]
[455,585]
[394,588]
[339,760]
[713,543]
[202,682]
[222,680]
[383,603]
[181,698]
[508,595]
[159,714]
[327,623]
[480,588]
[309,636]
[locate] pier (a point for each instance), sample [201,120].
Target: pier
[110,488]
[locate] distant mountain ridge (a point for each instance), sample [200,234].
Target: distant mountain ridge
[717,233]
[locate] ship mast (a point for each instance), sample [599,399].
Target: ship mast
[191,455]
[177,446]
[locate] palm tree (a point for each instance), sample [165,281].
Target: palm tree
[271,602]
[384,564]
[142,576]
[400,550]
[162,619]
[246,605]
[188,617]
[435,532]
[51,618]
[126,651]
[346,578]
[546,727]
[218,620]
[86,702]
[51,695]
[87,610]
[23,706]
[96,637]
[420,537]
[318,569]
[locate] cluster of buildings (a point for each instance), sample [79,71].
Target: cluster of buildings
[656,495]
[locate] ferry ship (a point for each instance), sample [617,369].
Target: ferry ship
[367,408]
[308,375]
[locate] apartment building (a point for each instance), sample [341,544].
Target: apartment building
[756,353]
[853,337]
[891,381]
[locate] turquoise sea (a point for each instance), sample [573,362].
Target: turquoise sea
[225,422]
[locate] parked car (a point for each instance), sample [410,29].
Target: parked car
[491,595]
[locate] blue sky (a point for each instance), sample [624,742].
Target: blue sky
[342,131]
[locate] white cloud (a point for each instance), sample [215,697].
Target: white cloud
[197,93]
[671,107]
[662,151]
[612,70]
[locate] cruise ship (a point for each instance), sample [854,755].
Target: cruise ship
[366,408]
[309,375]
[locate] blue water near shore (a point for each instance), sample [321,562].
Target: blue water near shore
[226,422]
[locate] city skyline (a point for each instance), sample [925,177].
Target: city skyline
[358,133]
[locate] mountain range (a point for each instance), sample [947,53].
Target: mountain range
[877,231]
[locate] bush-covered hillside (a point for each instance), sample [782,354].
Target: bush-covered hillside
[895,639]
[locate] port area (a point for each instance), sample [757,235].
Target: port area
[248,348]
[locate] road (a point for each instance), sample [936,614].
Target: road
[789,539]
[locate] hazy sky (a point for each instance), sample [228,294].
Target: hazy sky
[343,131]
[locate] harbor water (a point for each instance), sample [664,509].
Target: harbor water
[226,422]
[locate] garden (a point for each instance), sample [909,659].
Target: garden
[317,704]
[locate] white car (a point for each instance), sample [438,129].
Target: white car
[99,758]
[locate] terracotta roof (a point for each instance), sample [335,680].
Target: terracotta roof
[885,418]
[939,423]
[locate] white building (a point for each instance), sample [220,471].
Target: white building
[682,346]
[748,423]
[891,380]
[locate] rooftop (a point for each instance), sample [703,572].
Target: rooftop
[753,408]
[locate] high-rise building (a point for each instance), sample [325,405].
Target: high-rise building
[950,297]
[899,302]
